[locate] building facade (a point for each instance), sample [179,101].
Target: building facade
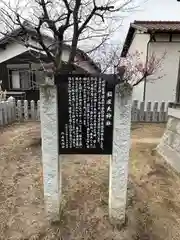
[159,38]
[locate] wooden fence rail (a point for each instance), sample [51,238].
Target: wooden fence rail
[22,110]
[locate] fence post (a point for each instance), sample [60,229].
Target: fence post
[135,111]
[11,100]
[141,112]
[19,110]
[26,110]
[162,112]
[148,114]
[10,109]
[155,114]
[32,111]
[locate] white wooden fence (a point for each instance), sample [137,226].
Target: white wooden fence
[11,111]
[150,112]
[28,110]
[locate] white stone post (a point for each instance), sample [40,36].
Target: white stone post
[12,108]
[50,153]
[118,175]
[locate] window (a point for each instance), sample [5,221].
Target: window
[23,79]
[15,80]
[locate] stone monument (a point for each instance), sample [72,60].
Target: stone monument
[82,114]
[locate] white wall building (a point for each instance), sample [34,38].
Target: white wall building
[156,37]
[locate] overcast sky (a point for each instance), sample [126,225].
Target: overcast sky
[151,10]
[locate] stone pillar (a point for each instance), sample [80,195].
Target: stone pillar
[50,153]
[118,175]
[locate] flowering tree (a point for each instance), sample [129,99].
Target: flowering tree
[135,70]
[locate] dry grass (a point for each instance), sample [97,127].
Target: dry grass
[153,194]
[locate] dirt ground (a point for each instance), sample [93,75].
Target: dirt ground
[153,211]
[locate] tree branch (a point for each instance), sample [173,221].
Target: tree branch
[41,42]
[39,36]
[77,20]
[140,80]
[46,18]
[94,12]
[76,33]
[86,21]
[67,5]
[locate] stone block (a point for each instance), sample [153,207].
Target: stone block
[167,137]
[170,155]
[169,146]
[173,125]
[176,142]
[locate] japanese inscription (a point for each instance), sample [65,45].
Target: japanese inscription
[85,109]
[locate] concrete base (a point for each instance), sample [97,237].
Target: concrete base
[169,146]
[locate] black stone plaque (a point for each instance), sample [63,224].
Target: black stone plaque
[85,112]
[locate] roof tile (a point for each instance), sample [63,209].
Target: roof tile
[160,25]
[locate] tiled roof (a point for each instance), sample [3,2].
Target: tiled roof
[159,25]
[149,26]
